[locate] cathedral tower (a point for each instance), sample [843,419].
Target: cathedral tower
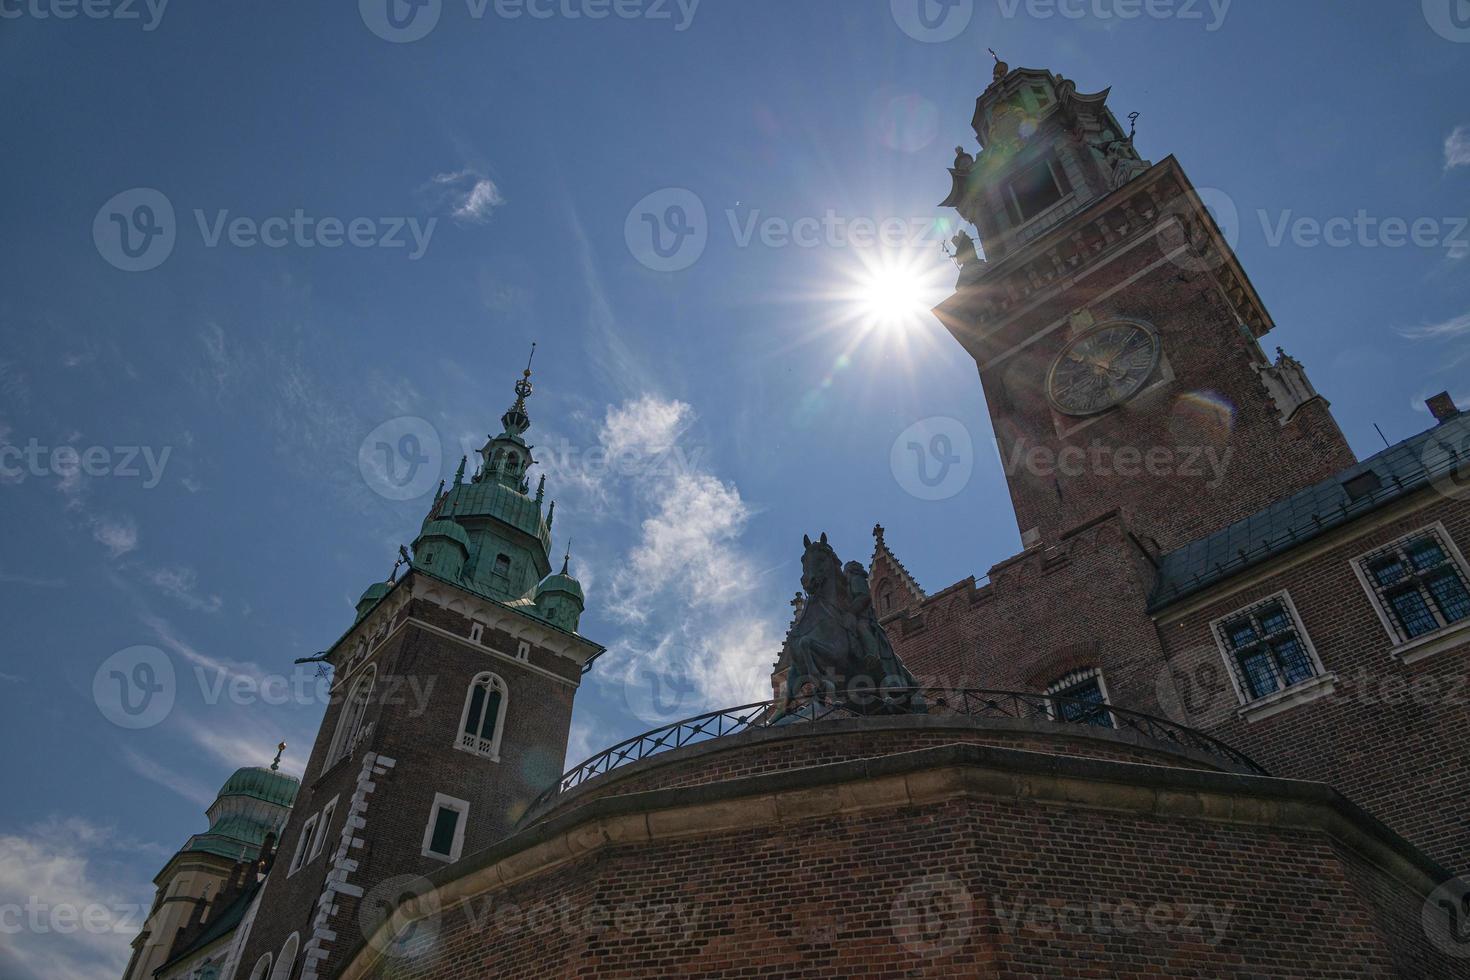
[1116,334]
[451,704]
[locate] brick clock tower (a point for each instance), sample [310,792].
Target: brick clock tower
[1115,333]
[452,701]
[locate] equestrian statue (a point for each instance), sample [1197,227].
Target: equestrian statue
[836,653]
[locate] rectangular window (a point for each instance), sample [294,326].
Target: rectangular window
[444,834]
[1418,584]
[1037,188]
[324,826]
[1266,649]
[303,844]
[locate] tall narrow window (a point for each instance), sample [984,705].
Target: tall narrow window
[444,833]
[324,827]
[262,967]
[349,722]
[483,718]
[1266,649]
[287,959]
[500,574]
[1080,698]
[1418,584]
[303,844]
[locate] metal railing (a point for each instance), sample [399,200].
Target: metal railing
[969,702]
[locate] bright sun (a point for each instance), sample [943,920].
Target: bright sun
[893,297]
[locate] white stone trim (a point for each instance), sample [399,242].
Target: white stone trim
[499,654]
[445,802]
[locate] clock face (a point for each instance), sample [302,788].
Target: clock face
[1103,367]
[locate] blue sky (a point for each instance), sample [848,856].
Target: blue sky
[220,398]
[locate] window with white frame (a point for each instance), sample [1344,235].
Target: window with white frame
[523,650]
[1080,697]
[303,844]
[349,721]
[1418,584]
[287,959]
[483,718]
[477,630]
[324,826]
[262,967]
[1266,649]
[444,834]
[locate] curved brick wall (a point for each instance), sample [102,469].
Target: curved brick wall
[962,860]
[781,749]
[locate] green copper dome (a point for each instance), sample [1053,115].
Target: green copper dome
[253,803]
[446,529]
[262,783]
[560,582]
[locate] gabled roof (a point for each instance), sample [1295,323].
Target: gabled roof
[880,549]
[220,925]
[1359,490]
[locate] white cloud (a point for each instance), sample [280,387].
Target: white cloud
[1457,148]
[118,536]
[646,426]
[181,583]
[77,912]
[156,772]
[469,196]
[1457,326]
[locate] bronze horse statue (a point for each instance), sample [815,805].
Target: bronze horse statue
[837,653]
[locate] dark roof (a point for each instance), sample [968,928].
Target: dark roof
[1400,470]
[219,925]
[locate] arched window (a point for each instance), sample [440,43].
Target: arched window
[887,598]
[483,718]
[500,574]
[349,722]
[1086,698]
[287,958]
[262,967]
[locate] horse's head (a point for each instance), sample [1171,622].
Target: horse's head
[820,566]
